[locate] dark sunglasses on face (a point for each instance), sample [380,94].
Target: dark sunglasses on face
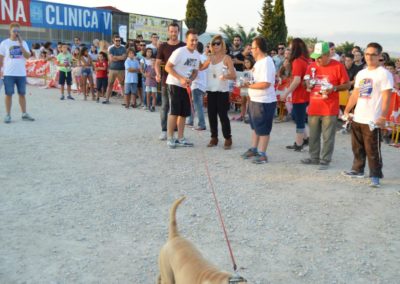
[216,43]
[117,40]
[281,48]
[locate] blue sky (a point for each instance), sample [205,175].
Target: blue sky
[359,21]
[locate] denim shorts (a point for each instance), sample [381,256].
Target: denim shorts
[151,89]
[10,81]
[130,88]
[261,116]
[86,71]
[300,116]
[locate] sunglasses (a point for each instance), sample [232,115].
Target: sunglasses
[216,43]
[117,40]
[281,48]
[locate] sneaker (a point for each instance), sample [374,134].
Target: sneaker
[106,102]
[7,119]
[152,109]
[98,100]
[199,128]
[183,143]
[375,182]
[147,109]
[295,147]
[163,136]
[249,154]
[306,141]
[260,159]
[171,143]
[62,98]
[353,174]
[27,117]
[71,98]
[143,107]
[309,161]
[189,125]
[323,165]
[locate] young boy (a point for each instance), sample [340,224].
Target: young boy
[101,75]
[151,85]
[132,68]
[64,63]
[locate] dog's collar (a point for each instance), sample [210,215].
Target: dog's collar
[237,280]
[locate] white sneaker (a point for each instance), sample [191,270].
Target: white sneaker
[171,143]
[163,136]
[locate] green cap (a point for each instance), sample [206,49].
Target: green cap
[320,49]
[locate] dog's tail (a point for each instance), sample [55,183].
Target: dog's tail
[173,228]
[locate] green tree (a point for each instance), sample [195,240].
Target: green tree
[196,15]
[230,33]
[279,29]
[265,27]
[345,47]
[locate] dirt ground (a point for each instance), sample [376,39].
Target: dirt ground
[86,190]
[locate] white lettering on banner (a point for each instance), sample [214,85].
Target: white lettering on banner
[95,21]
[10,10]
[73,17]
[20,12]
[58,17]
[86,18]
[107,20]
[80,18]
[49,19]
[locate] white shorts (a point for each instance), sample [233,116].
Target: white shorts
[151,89]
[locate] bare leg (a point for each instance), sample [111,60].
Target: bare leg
[181,126]
[62,90]
[22,103]
[172,120]
[254,139]
[263,143]
[8,102]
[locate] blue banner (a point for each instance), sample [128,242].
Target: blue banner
[67,17]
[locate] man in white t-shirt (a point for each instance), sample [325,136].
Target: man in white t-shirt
[372,92]
[262,102]
[182,68]
[13,54]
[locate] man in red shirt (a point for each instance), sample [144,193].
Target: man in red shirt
[326,77]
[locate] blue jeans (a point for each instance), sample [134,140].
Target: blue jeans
[197,96]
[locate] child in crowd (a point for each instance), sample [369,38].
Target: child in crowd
[246,75]
[144,62]
[64,63]
[86,63]
[151,85]
[391,67]
[101,74]
[76,69]
[132,68]
[283,82]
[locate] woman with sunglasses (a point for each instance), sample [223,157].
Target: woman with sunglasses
[219,72]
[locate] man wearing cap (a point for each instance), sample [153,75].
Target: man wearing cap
[324,78]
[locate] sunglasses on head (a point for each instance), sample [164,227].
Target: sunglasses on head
[216,43]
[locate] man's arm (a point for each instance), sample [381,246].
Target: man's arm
[169,67]
[260,85]
[386,95]
[1,65]
[352,101]
[157,67]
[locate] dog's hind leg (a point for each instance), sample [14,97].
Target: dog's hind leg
[166,274]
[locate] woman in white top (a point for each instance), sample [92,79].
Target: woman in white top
[219,72]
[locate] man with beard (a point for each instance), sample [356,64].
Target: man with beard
[236,53]
[164,52]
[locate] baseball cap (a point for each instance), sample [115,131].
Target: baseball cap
[320,49]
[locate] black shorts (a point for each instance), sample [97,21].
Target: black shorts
[179,101]
[101,84]
[65,76]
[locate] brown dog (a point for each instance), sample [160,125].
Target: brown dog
[181,263]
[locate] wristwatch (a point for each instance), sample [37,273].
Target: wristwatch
[334,88]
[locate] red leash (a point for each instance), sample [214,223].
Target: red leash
[189,91]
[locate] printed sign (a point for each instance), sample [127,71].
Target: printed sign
[67,17]
[37,68]
[146,25]
[14,11]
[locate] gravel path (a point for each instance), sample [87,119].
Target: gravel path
[86,189]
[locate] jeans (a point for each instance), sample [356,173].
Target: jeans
[218,105]
[164,110]
[144,99]
[300,116]
[325,125]
[197,96]
[366,144]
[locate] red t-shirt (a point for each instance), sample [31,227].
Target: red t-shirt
[333,73]
[101,73]
[299,68]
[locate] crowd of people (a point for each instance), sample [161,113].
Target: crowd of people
[307,79]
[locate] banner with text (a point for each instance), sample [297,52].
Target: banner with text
[146,25]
